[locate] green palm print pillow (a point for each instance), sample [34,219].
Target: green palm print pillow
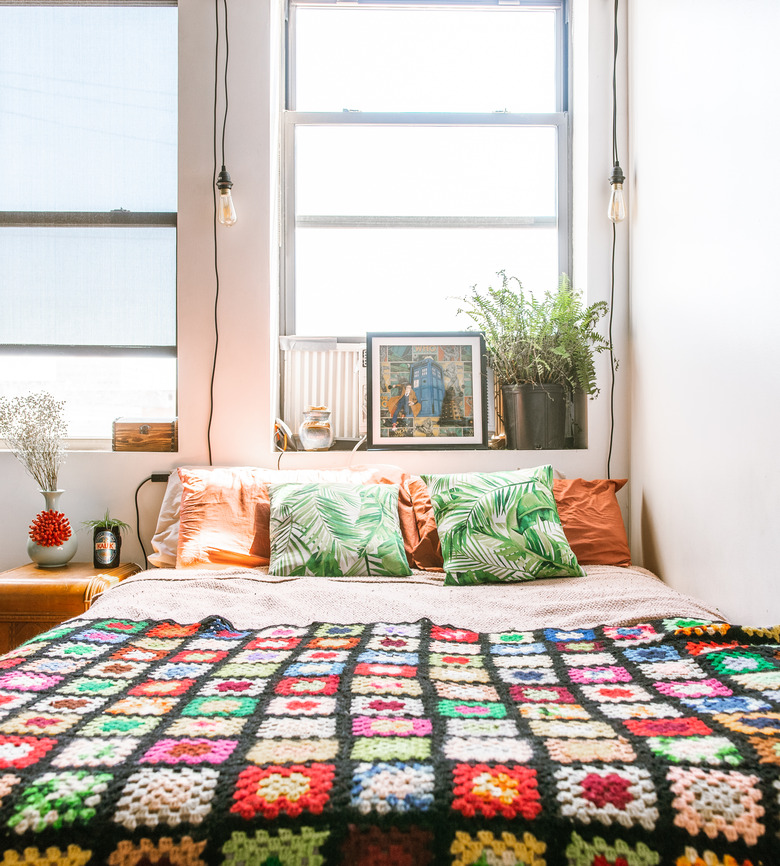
[336,530]
[500,526]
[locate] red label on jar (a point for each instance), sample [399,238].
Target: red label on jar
[105,547]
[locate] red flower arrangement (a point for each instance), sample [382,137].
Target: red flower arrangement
[50,529]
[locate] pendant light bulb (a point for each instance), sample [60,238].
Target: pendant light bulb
[617,205]
[226,212]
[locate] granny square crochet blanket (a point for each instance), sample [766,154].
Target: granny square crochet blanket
[132,743]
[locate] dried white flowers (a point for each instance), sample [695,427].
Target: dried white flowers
[34,429]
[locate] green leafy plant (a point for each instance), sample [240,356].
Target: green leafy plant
[538,341]
[106,522]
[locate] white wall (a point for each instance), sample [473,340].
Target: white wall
[705,299]
[243,406]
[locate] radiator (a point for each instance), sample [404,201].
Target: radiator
[319,371]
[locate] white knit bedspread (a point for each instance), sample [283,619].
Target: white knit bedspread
[249,598]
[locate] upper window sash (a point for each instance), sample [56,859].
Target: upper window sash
[559,7]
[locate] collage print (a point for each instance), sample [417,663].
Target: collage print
[426,390]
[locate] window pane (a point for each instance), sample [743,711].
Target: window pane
[96,390]
[431,171]
[88,102]
[350,281]
[414,59]
[88,286]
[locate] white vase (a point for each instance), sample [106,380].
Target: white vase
[52,557]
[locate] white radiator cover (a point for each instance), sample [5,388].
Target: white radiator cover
[320,371]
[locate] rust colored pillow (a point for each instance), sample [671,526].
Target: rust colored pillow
[225,512]
[589,512]
[592,521]
[426,550]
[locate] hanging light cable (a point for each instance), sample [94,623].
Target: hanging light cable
[218,181]
[226,212]
[617,206]
[616,212]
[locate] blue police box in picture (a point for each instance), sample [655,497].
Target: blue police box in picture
[428,385]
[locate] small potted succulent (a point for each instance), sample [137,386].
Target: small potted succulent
[106,540]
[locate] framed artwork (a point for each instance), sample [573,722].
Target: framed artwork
[426,390]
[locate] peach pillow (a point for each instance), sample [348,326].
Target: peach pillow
[589,512]
[592,521]
[224,518]
[224,513]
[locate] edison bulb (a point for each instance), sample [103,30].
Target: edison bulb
[226,212]
[617,205]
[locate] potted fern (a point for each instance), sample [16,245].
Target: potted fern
[542,351]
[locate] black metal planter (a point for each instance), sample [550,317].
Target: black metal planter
[535,416]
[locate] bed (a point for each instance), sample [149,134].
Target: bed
[220,713]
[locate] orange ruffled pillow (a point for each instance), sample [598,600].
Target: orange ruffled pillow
[225,513]
[589,512]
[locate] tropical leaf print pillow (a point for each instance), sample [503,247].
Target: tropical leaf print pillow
[336,530]
[500,526]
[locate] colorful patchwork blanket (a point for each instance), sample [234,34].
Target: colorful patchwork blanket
[139,742]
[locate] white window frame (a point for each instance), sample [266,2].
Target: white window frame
[89,219]
[558,120]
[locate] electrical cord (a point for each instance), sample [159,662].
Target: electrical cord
[216,247]
[214,200]
[227,61]
[611,356]
[614,85]
[615,161]
[138,521]
[157,477]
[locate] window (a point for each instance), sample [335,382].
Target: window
[88,96]
[426,147]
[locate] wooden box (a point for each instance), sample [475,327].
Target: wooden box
[145,434]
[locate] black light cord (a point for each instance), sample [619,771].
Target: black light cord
[138,521]
[614,87]
[615,161]
[227,61]
[214,200]
[611,356]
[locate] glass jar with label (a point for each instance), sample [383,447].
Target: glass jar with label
[107,545]
[315,432]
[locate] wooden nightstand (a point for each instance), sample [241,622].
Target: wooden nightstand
[34,599]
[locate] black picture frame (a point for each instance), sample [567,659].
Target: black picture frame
[426,390]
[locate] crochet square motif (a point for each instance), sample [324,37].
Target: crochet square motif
[716,802]
[496,790]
